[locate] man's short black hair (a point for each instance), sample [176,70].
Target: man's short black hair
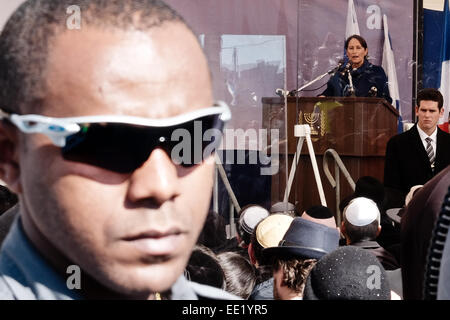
[430,94]
[361,233]
[27,36]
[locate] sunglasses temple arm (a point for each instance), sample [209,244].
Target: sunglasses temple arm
[57,132]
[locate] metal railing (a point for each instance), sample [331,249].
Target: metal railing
[335,182]
[233,202]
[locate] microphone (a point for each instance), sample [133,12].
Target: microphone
[340,63]
[282,93]
[373,91]
[347,68]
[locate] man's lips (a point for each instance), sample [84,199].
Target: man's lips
[157,243]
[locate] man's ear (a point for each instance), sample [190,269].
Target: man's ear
[251,255]
[9,162]
[342,227]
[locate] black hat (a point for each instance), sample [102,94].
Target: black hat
[283,207]
[305,239]
[319,212]
[371,188]
[348,273]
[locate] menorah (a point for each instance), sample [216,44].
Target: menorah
[311,118]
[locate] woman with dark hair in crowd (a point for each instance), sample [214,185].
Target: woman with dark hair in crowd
[204,268]
[368,79]
[240,274]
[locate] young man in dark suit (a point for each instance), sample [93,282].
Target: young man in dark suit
[415,156]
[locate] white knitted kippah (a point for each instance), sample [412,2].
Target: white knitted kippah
[251,216]
[361,212]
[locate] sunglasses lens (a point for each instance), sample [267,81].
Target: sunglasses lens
[123,148]
[194,141]
[115,147]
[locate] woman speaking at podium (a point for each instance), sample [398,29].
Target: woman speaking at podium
[358,77]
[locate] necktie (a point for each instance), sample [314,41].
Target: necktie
[430,152]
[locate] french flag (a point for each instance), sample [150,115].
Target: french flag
[445,64]
[436,53]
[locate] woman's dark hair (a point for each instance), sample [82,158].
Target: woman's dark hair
[360,39]
[213,235]
[240,274]
[204,267]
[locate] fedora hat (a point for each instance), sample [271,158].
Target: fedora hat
[305,239]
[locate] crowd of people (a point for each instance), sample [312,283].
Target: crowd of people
[85,124]
[307,256]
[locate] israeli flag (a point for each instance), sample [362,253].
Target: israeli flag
[388,64]
[444,87]
[352,21]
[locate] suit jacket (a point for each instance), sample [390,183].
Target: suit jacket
[407,164]
[385,257]
[364,78]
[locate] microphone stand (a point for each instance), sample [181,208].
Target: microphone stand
[329,72]
[351,90]
[292,93]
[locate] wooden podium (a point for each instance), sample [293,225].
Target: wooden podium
[357,128]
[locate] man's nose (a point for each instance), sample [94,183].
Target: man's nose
[156,180]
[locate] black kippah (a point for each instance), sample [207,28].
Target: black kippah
[319,212]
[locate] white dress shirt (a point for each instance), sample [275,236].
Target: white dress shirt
[433,138]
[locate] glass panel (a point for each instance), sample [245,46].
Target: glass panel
[250,45]
[355,132]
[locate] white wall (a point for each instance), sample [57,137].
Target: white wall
[6,8]
[434,4]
